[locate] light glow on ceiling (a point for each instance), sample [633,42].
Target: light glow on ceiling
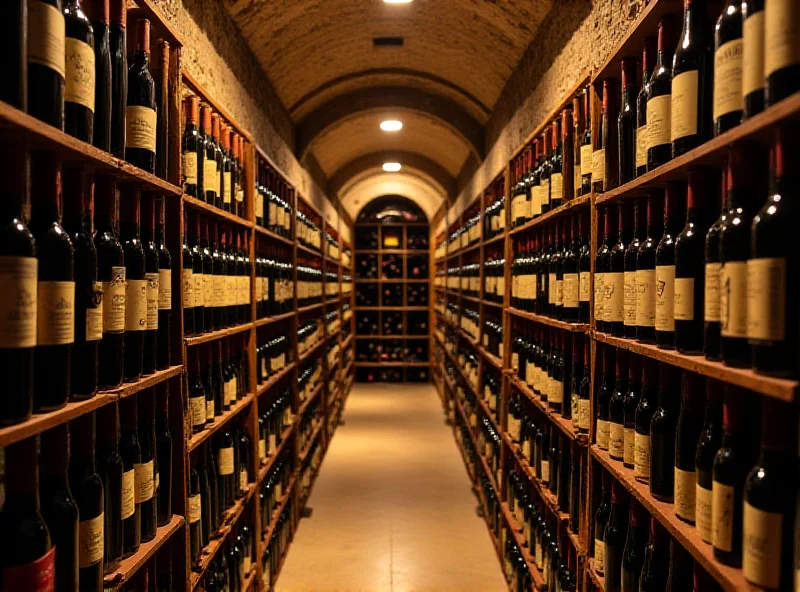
[391,167]
[397,1]
[391,125]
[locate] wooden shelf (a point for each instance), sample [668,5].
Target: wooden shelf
[573,327]
[314,435]
[219,334]
[42,136]
[307,251]
[309,308]
[729,578]
[489,414]
[713,153]
[385,364]
[274,379]
[277,512]
[491,358]
[304,405]
[495,239]
[216,212]
[404,336]
[565,425]
[347,342]
[273,235]
[310,351]
[219,421]
[513,526]
[561,210]
[492,303]
[271,460]
[128,567]
[249,580]
[392,308]
[474,299]
[596,578]
[778,388]
[465,250]
[145,382]
[274,319]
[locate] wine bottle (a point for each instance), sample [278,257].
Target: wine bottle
[140,112]
[633,554]
[225,469]
[218,159]
[131,453]
[644,414]
[162,109]
[192,157]
[194,504]
[60,511]
[689,426]
[642,139]
[79,61]
[663,426]
[557,166]
[753,57]
[674,199]
[646,274]
[198,279]
[27,555]
[692,81]
[728,68]
[188,282]
[135,282]
[111,273]
[655,570]
[164,455]
[587,148]
[616,408]
[152,277]
[708,443]
[111,470]
[46,61]
[659,100]
[629,275]
[584,404]
[145,471]
[118,43]
[602,397]
[208,280]
[712,314]
[197,396]
[13,45]
[781,50]
[599,141]
[681,565]
[99,12]
[629,404]
[87,487]
[570,268]
[601,260]
[614,538]
[209,158]
[626,122]
[545,172]
[164,336]
[614,279]
[600,522]
[227,194]
[55,298]
[771,270]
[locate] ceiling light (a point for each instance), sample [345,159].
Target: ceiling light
[391,167]
[397,1]
[391,125]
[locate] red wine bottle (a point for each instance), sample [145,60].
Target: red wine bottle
[187,281]
[197,277]
[225,469]
[557,166]
[164,337]
[131,453]
[208,279]
[79,87]
[629,277]
[151,260]
[87,487]
[99,12]
[772,283]
[218,159]
[614,279]
[226,186]
[55,297]
[616,408]
[46,61]
[648,64]
[712,317]
[644,414]
[111,273]
[680,568]
[145,471]
[193,157]
[663,426]
[614,537]
[110,468]
[728,68]
[13,46]
[209,158]
[601,268]
[600,522]
[753,57]
[118,43]
[194,505]
[162,109]
[135,283]
[781,50]
[600,140]
[659,100]
[602,430]
[655,570]
[674,199]
[18,274]
[164,456]
[197,396]
[27,555]
[586,144]
[690,424]
[646,274]
[140,112]
[626,122]
[708,442]
[629,404]
[635,545]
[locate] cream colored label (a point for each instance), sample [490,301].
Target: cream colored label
[46,36]
[225,461]
[262,449]
[90,541]
[188,288]
[728,64]
[646,297]
[545,471]
[18,306]
[570,290]
[711,303]
[598,166]
[602,434]
[55,316]
[544,191]
[722,513]
[616,441]
[684,494]
[599,555]
[210,410]
[194,506]
[583,414]
[259,206]
[140,128]
[630,446]
[753,53]
[614,291]
[556,394]
[226,184]
[557,186]
[665,298]
[629,299]
[684,299]
[659,118]
[152,301]
[190,167]
[197,407]
[210,175]
[684,106]
[586,160]
[164,289]
[761,547]
[585,287]
[733,299]
[551,292]
[534,206]
[782,46]
[766,299]
[599,282]
[128,493]
[143,472]
[114,302]
[641,457]
[94,314]
[703,501]
[135,305]
[79,82]
[199,289]
[641,146]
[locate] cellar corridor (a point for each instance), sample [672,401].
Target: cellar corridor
[392,508]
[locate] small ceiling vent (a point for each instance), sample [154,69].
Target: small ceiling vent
[387,42]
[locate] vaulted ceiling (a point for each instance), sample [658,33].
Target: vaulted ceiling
[338,84]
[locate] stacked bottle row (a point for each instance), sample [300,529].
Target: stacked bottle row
[309,334]
[274,200]
[308,227]
[309,469]
[273,352]
[212,154]
[494,212]
[233,564]
[158,569]
[103,492]
[274,491]
[274,279]
[275,548]
[309,282]
[64,339]
[310,420]
[468,232]
[274,419]
[492,334]
[494,274]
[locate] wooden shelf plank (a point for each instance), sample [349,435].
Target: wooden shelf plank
[214,211]
[405,336]
[513,527]
[491,358]
[573,327]
[596,578]
[309,308]
[561,210]
[273,235]
[274,319]
[219,421]
[271,460]
[386,364]
[274,379]
[392,308]
[307,251]
[565,425]
[219,334]
[302,357]
[128,567]
[277,512]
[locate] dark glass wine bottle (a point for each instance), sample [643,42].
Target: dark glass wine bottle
[674,200]
[46,61]
[99,12]
[162,109]
[629,277]
[626,122]
[708,443]
[197,276]
[648,64]
[164,455]
[614,537]
[643,416]
[14,48]
[135,282]
[164,337]
[659,100]
[586,144]
[218,159]
[601,268]
[616,408]
[600,140]
[629,404]
[111,470]
[145,471]
[728,68]
[663,426]
[187,281]
[193,158]
[209,158]
[602,397]
[646,274]
[79,78]
[690,424]
[140,112]
[194,505]
[781,50]
[131,453]
[655,570]
[634,553]
[197,395]
[225,470]
[753,77]
[118,43]
[208,279]
[614,278]
[152,277]
[600,522]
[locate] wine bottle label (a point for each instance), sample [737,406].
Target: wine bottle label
[273,444]
[599,282]
[219,290]
[629,298]
[55,315]
[199,289]
[230,290]
[46,37]
[197,406]
[152,280]
[585,286]
[545,471]
[646,297]
[128,493]
[602,434]
[761,542]
[684,299]
[501,219]
[629,440]
[164,289]
[614,297]
[218,180]
[766,299]
[247,563]
[703,500]
[616,441]
[195,508]
[728,67]
[551,293]
[259,205]
[143,473]
[782,46]
[641,457]
[501,286]
[188,288]
[544,191]
[711,297]
[557,393]
[272,213]
[570,290]
[583,414]
[533,207]
[641,146]
[18,306]
[90,541]
[189,167]
[94,314]
[210,410]
[227,196]
[262,449]
[210,174]
[665,298]
[39,575]
[685,485]
[114,302]
[659,120]
[599,555]
[733,299]
[722,516]
[243,483]
[225,461]
[135,305]
[557,186]
[683,110]
[80,78]
[140,128]
[586,160]
[598,166]
[753,53]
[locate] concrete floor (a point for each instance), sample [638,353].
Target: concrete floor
[392,506]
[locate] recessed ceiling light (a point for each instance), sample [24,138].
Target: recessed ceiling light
[391,167]
[391,125]
[397,1]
